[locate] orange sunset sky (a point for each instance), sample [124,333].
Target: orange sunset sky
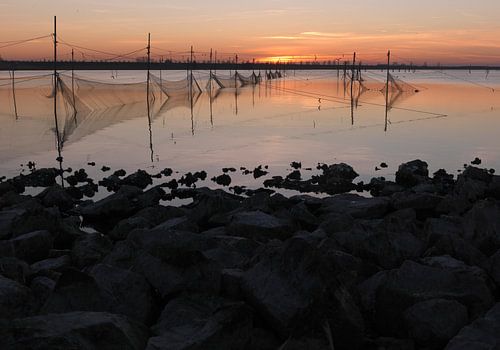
[437,31]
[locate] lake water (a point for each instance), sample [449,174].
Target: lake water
[307,116]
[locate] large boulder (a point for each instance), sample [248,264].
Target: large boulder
[384,247]
[258,225]
[412,173]
[294,289]
[30,247]
[355,205]
[15,269]
[75,330]
[202,322]
[16,300]
[90,249]
[484,333]
[388,294]
[482,226]
[434,322]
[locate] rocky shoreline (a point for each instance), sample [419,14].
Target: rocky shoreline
[414,266]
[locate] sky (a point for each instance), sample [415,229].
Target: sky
[431,31]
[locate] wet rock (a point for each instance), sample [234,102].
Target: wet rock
[476,161]
[15,269]
[6,187]
[388,294]
[259,172]
[494,187]
[335,222]
[16,300]
[412,173]
[484,333]
[105,168]
[207,203]
[39,178]
[167,172]
[90,249]
[434,322]
[112,208]
[56,196]
[112,183]
[91,163]
[294,175]
[42,287]
[202,322]
[75,330]
[223,180]
[258,225]
[182,223]
[384,165]
[140,179]
[296,165]
[294,290]
[231,252]
[227,170]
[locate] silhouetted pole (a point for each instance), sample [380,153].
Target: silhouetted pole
[215,69]
[14,92]
[55,84]
[147,98]
[73,79]
[210,91]
[387,88]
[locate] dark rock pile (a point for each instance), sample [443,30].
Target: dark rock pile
[415,266]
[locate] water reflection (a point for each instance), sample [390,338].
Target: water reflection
[312,117]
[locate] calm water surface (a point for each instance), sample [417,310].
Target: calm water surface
[307,116]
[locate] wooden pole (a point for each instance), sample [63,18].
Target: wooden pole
[14,92]
[387,89]
[55,83]
[73,80]
[147,98]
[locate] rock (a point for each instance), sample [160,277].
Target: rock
[444,237]
[494,187]
[180,223]
[90,249]
[30,247]
[424,203]
[412,173]
[112,208]
[296,165]
[384,247]
[145,218]
[484,333]
[6,187]
[105,168]
[39,178]
[293,289]
[208,203]
[202,322]
[434,322]
[494,267]
[384,165]
[482,226]
[112,183]
[294,175]
[231,252]
[42,287]
[56,196]
[140,179]
[120,173]
[150,198]
[356,206]
[476,161]
[259,226]
[335,222]
[53,264]
[258,172]
[223,180]
[388,294]
[126,292]
[16,300]
[75,330]
[14,269]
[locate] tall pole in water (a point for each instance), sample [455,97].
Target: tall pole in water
[59,156]
[387,88]
[14,91]
[73,79]
[147,97]
[352,86]
[210,90]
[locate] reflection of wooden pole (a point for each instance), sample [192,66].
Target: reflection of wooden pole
[147,98]
[14,92]
[73,80]
[352,86]
[55,82]
[387,89]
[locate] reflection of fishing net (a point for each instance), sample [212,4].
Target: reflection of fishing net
[253,79]
[397,89]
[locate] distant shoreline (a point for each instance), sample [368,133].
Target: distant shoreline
[87,65]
